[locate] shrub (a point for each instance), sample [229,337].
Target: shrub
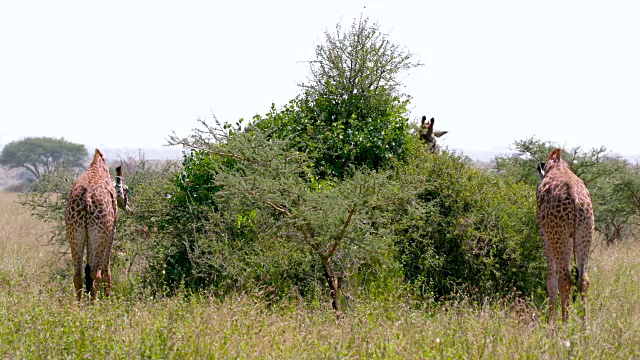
[478,235]
[201,243]
[332,226]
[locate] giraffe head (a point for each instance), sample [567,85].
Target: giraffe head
[554,161]
[122,191]
[427,134]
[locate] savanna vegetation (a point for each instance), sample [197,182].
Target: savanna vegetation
[40,318]
[252,244]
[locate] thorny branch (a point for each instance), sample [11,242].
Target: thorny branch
[342,231]
[270,203]
[185,143]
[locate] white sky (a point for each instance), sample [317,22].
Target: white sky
[127,73]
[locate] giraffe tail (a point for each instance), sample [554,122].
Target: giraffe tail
[574,286]
[87,278]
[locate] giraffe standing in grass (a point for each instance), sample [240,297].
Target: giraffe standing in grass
[565,216]
[90,219]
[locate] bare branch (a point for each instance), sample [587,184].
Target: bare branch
[271,204]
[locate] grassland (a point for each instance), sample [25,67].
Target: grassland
[39,318]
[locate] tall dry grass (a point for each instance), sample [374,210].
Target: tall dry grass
[23,260]
[41,320]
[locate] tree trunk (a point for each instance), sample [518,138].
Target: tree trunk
[334,288]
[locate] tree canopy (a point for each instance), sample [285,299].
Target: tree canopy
[351,112]
[38,155]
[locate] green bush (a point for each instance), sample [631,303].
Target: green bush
[478,235]
[233,224]
[200,243]
[285,230]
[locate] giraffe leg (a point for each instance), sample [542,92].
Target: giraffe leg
[106,278]
[95,259]
[106,269]
[106,263]
[582,247]
[95,274]
[583,288]
[564,272]
[76,236]
[552,290]
[97,280]
[552,277]
[101,233]
[77,278]
[564,282]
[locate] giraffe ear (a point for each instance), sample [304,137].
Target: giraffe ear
[555,155]
[439,133]
[541,170]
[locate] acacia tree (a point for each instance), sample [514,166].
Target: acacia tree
[39,155]
[352,111]
[339,222]
[520,166]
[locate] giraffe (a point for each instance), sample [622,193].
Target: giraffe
[565,216]
[428,135]
[90,219]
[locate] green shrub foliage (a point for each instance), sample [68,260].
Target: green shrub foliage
[285,227]
[435,221]
[246,214]
[478,235]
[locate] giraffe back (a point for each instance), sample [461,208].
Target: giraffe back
[93,194]
[562,197]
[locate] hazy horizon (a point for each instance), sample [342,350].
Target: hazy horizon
[175,153]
